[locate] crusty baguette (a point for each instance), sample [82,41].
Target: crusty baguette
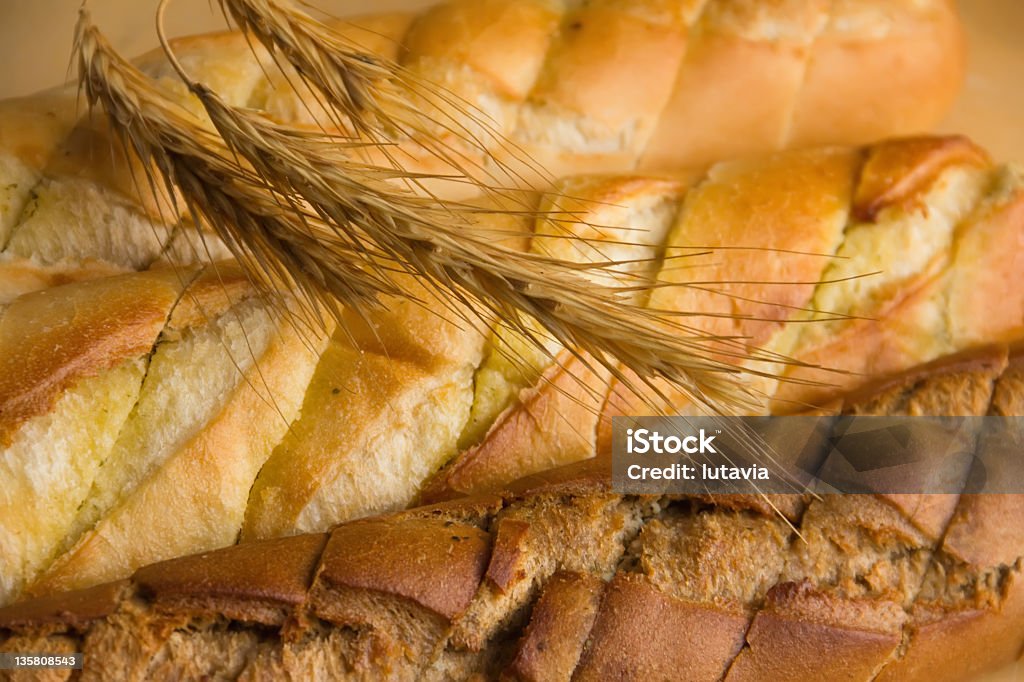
[605,86]
[390,402]
[847,264]
[557,577]
[661,83]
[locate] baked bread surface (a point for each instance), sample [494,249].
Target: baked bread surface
[556,576]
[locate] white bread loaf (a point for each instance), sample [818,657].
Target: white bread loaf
[557,577]
[580,87]
[388,404]
[857,264]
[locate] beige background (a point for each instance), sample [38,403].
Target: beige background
[35,44]
[36,35]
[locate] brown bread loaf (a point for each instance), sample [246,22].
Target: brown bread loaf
[558,577]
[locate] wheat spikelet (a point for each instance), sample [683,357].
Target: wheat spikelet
[382,102]
[303,214]
[378,100]
[271,240]
[440,244]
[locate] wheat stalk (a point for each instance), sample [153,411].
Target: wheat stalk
[271,241]
[350,219]
[441,245]
[299,214]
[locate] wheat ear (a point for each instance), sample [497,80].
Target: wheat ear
[272,242]
[441,245]
[349,217]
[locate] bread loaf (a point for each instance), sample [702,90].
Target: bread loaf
[558,577]
[394,397]
[578,87]
[834,265]
[610,85]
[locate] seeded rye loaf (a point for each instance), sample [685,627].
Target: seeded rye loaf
[556,577]
[154,402]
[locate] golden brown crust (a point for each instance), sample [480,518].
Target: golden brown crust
[978,533]
[803,634]
[897,174]
[508,553]
[72,610]
[862,43]
[552,424]
[722,68]
[960,644]
[502,41]
[1009,396]
[895,392]
[603,50]
[475,510]
[642,632]
[52,338]
[587,476]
